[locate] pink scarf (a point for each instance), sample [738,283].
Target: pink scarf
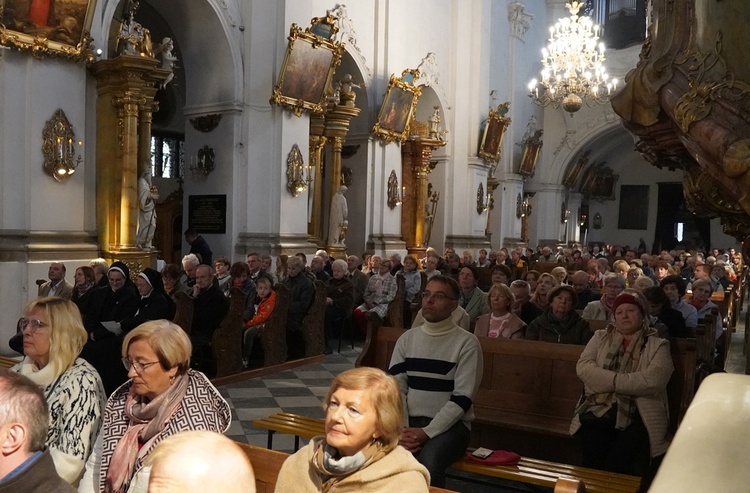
[147,420]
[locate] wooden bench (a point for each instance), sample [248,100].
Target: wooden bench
[7,362]
[530,471]
[267,464]
[227,338]
[312,324]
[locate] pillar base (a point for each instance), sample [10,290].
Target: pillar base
[336,251]
[135,258]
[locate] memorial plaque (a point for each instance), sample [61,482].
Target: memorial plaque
[207,214]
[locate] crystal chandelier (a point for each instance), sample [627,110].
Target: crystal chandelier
[573,70]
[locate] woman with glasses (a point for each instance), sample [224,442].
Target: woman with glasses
[162,398]
[110,305]
[53,335]
[601,309]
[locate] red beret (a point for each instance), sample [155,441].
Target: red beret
[629,299]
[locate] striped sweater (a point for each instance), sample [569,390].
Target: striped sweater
[438,367]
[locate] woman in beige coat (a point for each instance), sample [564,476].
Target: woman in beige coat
[625,369]
[360,450]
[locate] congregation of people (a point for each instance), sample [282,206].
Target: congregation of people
[107,377]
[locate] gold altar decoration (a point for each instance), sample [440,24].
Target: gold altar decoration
[483,200]
[297,174]
[58,141]
[394,193]
[309,63]
[399,104]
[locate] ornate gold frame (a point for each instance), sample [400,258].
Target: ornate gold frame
[399,103]
[309,63]
[20,34]
[531,149]
[574,172]
[494,130]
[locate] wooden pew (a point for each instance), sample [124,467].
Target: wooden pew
[183,315]
[267,464]
[227,338]
[7,362]
[312,324]
[273,330]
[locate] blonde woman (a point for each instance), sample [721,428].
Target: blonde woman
[501,321]
[53,336]
[543,286]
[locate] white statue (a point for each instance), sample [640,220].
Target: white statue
[434,124]
[168,59]
[147,197]
[337,223]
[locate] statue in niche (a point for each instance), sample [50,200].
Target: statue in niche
[337,222]
[133,39]
[434,124]
[168,59]
[147,197]
[346,95]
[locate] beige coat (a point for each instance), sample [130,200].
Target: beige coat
[397,471]
[648,383]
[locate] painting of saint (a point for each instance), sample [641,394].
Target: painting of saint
[306,73]
[396,110]
[60,21]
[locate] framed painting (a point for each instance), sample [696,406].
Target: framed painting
[309,63]
[48,27]
[398,106]
[574,171]
[494,131]
[600,183]
[531,149]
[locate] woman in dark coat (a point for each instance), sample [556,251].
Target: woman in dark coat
[109,306]
[339,300]
[560,322]
[85,286]
[155,304]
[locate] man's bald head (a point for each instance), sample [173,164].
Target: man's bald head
[199,461]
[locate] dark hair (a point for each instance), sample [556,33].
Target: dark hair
[563,287]
[677,281]
[447,281]
[222,260]
[88,273]
[302,257]
[171,271]
[239,268]
[191,232]
[657,296]
[532,271]
[472,269]
[502,268]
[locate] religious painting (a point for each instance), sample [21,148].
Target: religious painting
[398,106]
[494,130]
[48,27]
[599,183]
[574,171]
[633,207]
[309,63]
[532,146]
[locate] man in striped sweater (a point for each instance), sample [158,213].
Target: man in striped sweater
[438,366]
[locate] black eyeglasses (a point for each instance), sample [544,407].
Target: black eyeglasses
[30,322]
[138,367]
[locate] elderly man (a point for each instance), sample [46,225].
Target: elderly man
[189,264]
[100,267]
[580,281]
[210,306]
[358,278]
[221,465]
[26,466]
[302,293]
[396,265]
[199,246]
[317,267]
[431,266]
[438,366]
[255,265]
[328,261]
[57,285]
[523,308]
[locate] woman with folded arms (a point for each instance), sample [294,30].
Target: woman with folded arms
[360,450]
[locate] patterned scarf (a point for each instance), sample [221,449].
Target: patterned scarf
[607,305]
[147,420]
[333,470]
[619,359]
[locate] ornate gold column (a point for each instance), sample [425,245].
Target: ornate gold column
[337,121]
[126,89]
[317,144]
[416,159]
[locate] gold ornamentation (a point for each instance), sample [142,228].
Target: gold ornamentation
[494,131]
[398,106]
[206,123]
[58,149]
[483,200]
[296,182]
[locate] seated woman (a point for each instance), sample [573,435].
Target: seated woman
[701,301]
[472,299]
[109,306]
[221,271]
[560,274]
[633,274]
[662,269]
[412,286]
[263,305]
[84,288]
[380,291]
[240,274]
[53,335]
[163,397]
[154,304]
[360,450]
[339,300]
[661,308]
[601,309]
[621,267]
[559,322]
[625,369]
[674,286]
[544,285]
[501,321]
[532,278]
[170,277]
[501,274]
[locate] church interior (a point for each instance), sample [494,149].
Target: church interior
[375,126]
